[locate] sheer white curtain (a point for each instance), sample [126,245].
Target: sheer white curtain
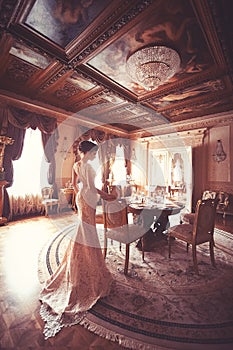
[30,170]
[95,163]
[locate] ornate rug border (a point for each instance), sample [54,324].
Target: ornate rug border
[135,338]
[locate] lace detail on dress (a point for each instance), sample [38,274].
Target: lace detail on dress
[54,322]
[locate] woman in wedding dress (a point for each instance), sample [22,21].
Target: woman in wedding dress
[82,277]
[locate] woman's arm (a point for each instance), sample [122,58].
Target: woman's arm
[91,183]
[74,181]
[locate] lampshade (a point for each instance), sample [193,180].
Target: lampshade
[153,65]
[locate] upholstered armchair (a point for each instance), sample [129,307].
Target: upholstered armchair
[200,232]
[223,204]
[188,218]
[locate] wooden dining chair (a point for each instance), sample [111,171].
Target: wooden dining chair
[48,201]
[200,232]
[117,227]
[188,218]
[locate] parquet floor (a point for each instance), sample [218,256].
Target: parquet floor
[20,324]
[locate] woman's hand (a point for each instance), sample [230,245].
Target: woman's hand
[106,196]
[110,197]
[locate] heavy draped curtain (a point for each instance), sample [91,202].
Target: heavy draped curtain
[14,122]
[127,155]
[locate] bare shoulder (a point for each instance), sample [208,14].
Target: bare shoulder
[90,170]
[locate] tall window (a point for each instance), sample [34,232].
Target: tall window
[118,168]
[31,169]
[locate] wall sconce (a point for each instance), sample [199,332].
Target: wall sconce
[219,155]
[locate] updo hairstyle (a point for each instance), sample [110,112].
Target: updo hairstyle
[87,146]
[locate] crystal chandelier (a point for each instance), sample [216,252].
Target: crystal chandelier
[153,65]
[219,155]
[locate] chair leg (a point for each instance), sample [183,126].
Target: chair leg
[126,259]
[194,251]
[56,208]
[169,246]
[187,247]
[211,245]
[46,211]
[143,245]
[224,218]
[105,246]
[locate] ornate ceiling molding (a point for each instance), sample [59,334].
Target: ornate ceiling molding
[7,8]
[78,80]
[125,19]
[181,139]
[20,71]
[61,115]
[54,76]
[197,123]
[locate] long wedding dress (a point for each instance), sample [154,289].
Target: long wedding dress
[82,277]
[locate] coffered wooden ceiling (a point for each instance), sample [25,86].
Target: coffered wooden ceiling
[67,59]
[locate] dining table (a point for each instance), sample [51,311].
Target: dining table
[155,219]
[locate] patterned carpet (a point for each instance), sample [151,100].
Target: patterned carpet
[162,302]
